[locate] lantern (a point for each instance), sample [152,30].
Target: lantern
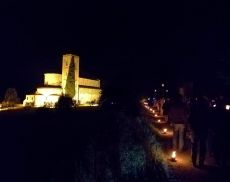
[173,156]
[165,130]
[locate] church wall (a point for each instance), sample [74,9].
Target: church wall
[53,79]
[89,82]
[87,95]
[49,101]
[46,91]
[29,100]
[39,100]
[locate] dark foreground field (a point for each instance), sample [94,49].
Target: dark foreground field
[81,145]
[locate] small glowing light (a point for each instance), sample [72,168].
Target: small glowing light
[173,156]
[155,115]
[149,98]
[165,130]
[158,120]
[214,105]
[155,90]
[227,107]
[166,90]
[153,111]
[162,85]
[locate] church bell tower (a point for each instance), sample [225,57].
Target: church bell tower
[70,76]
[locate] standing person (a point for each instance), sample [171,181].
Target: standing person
[162,101]
[199,126]
[158,104]
[178,116]
[220,127]
[166,107]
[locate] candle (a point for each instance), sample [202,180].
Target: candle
[173,156]
[165,130]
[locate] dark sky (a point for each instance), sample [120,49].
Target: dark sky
[131,43]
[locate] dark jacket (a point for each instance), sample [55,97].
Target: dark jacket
[178,113]
[199,119]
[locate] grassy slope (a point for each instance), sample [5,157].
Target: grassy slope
[83,145]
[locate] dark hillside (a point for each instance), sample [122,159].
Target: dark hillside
[80,145]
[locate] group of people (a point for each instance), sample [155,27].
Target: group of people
[205,126]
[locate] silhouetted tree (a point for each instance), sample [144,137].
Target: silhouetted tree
[11,98]
[65,102]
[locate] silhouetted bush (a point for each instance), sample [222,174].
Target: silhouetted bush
[65,102]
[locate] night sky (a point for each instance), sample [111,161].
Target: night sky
[126,44]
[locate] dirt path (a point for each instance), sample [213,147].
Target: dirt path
[182,169]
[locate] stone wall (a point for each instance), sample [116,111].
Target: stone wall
[53,79]
[88,95]
[89,82]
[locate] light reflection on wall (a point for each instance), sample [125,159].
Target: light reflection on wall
[87,95]
[48,101]
[48,96]
[46,91]
[53,79]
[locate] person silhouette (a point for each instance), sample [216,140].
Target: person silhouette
[178,113]
[199,126]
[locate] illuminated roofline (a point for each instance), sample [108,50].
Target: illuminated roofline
[49,87]
[70,55]
[53,73]
[90,78]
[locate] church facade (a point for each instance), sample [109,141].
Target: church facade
[69,83]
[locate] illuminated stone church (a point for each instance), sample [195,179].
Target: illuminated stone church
[83,90]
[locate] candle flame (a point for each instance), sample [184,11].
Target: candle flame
[174,155]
